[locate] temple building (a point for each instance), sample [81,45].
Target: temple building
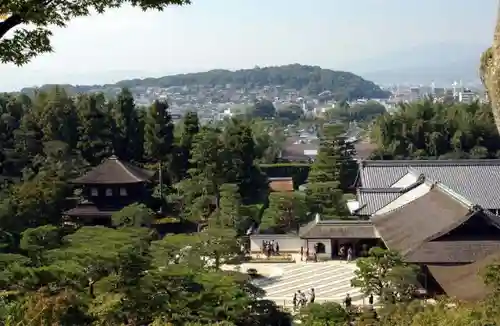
[441,215]
[107,188]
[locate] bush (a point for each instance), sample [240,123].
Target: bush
[253,273]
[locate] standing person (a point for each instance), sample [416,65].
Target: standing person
[277,248]
[301,253]
[303,299]
[370,299]
[342,252]
[312,296]
[348,301]
[294,301]
[349,254]
[307,253]
[272,246]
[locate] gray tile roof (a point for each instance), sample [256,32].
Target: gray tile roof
[476,180]
[371,200]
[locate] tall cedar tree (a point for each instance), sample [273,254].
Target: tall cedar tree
[158,132]
[128,143]
[94,132]
[182,153]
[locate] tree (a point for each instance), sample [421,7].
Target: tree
[290,113]
[182,151]
[135,215]
[263,109]
[327,200]
[35,241]
[334,162]
[326,314]
[425,129]
[287,211]
[25,44]
[158,132]
[94,133]
[384,274]
[128,140]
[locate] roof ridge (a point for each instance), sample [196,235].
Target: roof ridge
[453,194]
[382,190]
[126,169]
[409,163]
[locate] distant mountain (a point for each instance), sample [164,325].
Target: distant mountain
[307,79]
[441,63]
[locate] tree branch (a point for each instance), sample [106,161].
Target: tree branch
[9,24]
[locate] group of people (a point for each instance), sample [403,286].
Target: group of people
[270,248]
[300,299]
[346,254]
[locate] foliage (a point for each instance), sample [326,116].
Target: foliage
[134,215]
[26,43]
[358,112]
[385,275]
[327,314]
[286,212]
[435,130]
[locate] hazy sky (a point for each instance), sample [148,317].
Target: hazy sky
[232,34]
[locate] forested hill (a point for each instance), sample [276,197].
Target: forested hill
[310,80]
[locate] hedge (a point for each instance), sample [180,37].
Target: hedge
[298,171]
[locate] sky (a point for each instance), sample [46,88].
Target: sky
[234,34]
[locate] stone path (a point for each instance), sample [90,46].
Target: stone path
[331,281]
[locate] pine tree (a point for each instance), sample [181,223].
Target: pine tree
[158,132]
[180,164]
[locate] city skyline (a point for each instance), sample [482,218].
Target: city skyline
[127,43]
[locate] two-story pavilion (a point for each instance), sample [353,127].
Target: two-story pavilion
[108,188]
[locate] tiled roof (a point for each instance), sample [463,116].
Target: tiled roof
[476,180]
[90,210]
[371,200]
[338,229]
[114,171]
[410,226]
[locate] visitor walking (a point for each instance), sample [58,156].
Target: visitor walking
[370,299]
[301,253]
[349,254]
[312,296]
[303,299]
[277,248]
[294,301]
[348,301]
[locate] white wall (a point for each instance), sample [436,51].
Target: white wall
[405,181]
[326,242]
[286,242]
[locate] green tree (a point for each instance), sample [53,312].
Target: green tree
[134,215]
[181,163]
[384,274]
[263,109]
[26,43]
[128,140]
[327,314]
[287,211]
[158,132]
[35,241]
[327,200]
[94,131]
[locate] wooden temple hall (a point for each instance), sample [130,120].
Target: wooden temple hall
[107,188]
[440,215]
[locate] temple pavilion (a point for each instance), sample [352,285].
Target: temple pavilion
[107,188]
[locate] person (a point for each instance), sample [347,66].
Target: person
[312,296]
[315,257]
[370,299]
[307,253]
[271,247]
[301,253]
[303,299]
[277,248]
[294,301]
[341,252]
[348,301]
[349,254]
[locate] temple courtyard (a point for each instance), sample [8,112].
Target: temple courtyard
[331,280]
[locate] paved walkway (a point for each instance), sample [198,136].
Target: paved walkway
[331,281]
